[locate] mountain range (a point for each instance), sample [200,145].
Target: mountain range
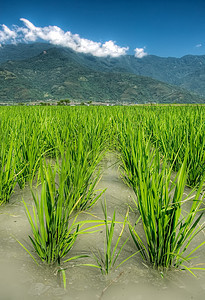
[40,71]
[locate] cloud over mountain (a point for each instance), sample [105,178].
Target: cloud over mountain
[7,35]
[140,52]
[56,36]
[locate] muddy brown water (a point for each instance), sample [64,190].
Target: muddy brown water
[21,278]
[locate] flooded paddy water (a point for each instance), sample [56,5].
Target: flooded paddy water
[21,278]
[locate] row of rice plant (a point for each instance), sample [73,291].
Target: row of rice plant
[7,172]
[67,187]
[152,141]
[30,133]
[176,131]
[7,158]
[168,230]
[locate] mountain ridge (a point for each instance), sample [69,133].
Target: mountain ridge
[58,72]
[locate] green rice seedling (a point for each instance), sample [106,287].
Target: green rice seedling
[196,160]
[28,156]
[176,130]
[135,150]
[167,232]
[99,130]
[7,171]
[78,176]
[107,261]
[53,232]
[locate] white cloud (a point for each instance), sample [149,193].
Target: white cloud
[7,34]
[140,52]
[198,45]
[56,36]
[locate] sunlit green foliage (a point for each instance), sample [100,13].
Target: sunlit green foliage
[61,149]
[159,199]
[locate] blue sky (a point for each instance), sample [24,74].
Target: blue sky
[164,28]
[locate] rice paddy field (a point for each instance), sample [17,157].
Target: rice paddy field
[102,202]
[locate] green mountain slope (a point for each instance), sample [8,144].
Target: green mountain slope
[59,73]
[22,51]
[186,72]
